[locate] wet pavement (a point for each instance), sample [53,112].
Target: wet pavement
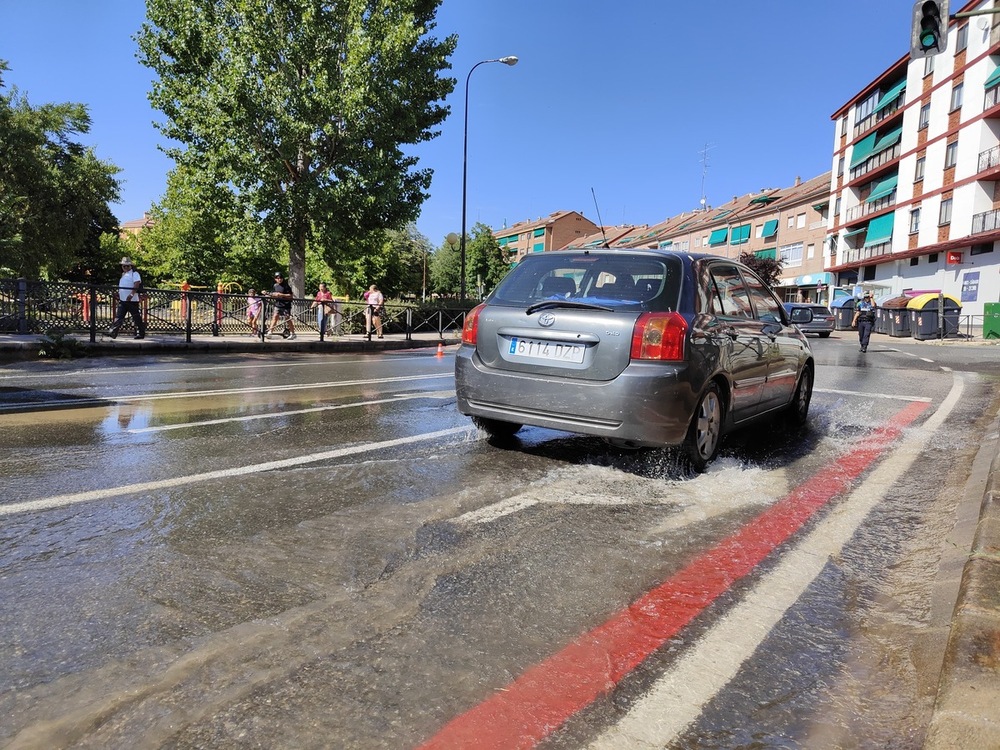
[967,694]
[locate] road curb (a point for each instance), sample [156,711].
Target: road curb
[965,711]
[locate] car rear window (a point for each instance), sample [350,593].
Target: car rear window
[619,280]
[821,310]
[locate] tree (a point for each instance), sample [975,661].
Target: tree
[769,269]
[54,192]
[300,109]
[445,269]
[485,261]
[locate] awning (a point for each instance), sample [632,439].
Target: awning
[993,79]
[771,253]
[718,236]
[862,149]
[855,232]
[887,140]
[883,189]
[770,228]
[762,199]
[880,230]
[740,234]
[890,96]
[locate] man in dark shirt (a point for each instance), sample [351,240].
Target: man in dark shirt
[282,296]
[864,319]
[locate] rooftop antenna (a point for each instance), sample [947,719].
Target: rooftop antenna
[599,217]
[704,172]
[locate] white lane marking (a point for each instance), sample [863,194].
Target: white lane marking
[290,412]
[59,501]
[676,699]
[859,394]
[104,400]
[117,372]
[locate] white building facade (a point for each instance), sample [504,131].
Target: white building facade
[915,186]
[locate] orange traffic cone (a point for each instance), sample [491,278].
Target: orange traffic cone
[440,352]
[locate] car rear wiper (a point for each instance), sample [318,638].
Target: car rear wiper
[550,303]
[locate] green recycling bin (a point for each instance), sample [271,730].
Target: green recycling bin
[991,320]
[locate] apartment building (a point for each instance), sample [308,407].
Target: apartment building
[786,223]
[549,233]
[916,163]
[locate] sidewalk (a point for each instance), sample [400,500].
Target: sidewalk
[15,347]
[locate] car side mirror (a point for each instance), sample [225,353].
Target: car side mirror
[801,315]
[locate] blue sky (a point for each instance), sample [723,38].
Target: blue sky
[602,98]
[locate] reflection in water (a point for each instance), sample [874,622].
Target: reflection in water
[124,417]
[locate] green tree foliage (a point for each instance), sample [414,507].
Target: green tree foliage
[300,109]
[768,269]
[54,192]
[446,270]
[485,261]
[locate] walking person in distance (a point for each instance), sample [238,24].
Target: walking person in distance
[864,319]
[282,296]
[129,287]
[375,310]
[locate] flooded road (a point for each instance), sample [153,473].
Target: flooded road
[319,551]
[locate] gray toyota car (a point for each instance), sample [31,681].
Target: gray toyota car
[646,348]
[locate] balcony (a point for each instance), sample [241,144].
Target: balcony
[875,118]
[860,254]
[864,209]
[989,159]
[986,222]
[876,161]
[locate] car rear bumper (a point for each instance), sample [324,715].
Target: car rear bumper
[649,403]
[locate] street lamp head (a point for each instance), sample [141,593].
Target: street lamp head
[509,60]
[451,238]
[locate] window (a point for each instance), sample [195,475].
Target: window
[810,251]
[914,221]
[944,216]
[951,155]
[836,207]
[925,116]
[919,175]
[932,258]
[914,261]
[981,249]
[840,167]
[791,255]
[768,309]
[962,38]
[728,293]
[956,96]
[791,222]
[800,221]
[843,126]
[866,107]
[928,65]
[759,231]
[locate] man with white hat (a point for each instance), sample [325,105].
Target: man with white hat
[128,301]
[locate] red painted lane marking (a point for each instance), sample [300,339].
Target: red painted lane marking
[538,702]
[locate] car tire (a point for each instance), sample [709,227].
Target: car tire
[701,445]
[798,410]
[825,335]
[496,428]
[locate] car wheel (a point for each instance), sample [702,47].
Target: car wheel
[825,335]
[798,409]
[705,433]
[496,428]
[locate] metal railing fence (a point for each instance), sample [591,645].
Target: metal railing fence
[45,307]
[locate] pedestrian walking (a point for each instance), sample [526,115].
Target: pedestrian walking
[864,319]
[282,294]
[323,305]
[254,306]
[129,288]
[374,311]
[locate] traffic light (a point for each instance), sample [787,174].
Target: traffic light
[930,28]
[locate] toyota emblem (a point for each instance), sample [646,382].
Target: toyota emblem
[546,319]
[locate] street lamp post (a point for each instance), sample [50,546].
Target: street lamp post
[509,60]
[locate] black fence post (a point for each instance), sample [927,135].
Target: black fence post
[22,305]
[409,324]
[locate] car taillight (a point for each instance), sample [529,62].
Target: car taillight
[471,328]
[659,336]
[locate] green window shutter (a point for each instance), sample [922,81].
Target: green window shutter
[770,228]
[538,232]
[993,79]
[718,236]
[883,189]
[887,140]
[862,149]
[880,230]
[538,247]
[890,96]
[854,232]
[740,235]
[503,241]
[771,253]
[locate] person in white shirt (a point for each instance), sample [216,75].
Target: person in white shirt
[128,301]
[374,311]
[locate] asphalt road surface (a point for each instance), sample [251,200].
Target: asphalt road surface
[318,551]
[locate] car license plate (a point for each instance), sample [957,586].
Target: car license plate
[551,350]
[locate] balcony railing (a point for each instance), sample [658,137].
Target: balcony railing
[876,161]
[989,159]
[986,222]
[858,254]
[863,209]
[876,117]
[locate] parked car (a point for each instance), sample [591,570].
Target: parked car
[823,321]
[642,347]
